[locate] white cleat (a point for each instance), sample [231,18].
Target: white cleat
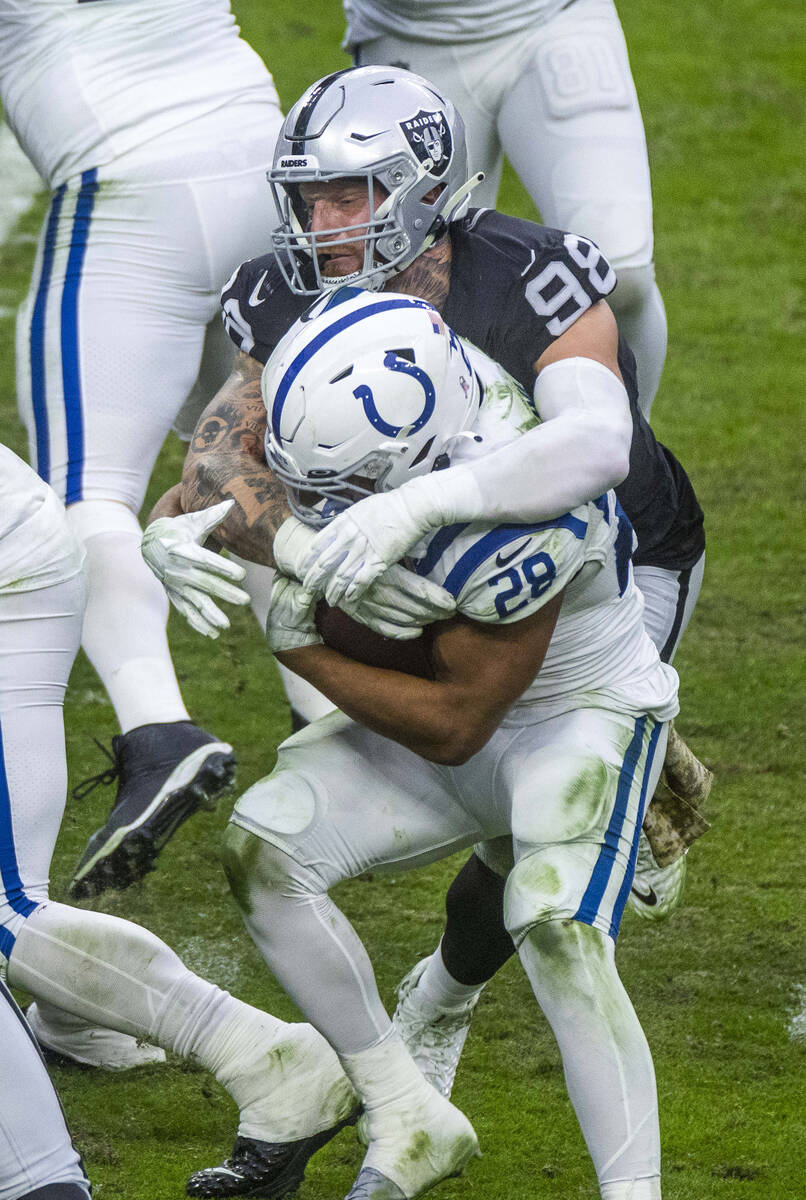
[413,1150]
[656,891]
[434,1036]
[91,1045]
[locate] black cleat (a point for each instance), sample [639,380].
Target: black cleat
[262,1169]
[165,772]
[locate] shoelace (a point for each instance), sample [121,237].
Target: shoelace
[108,775]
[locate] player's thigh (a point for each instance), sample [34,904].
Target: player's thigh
[579,786]
[343,800]
[669,601]
[572,129]
[110,335]
[40,632]
[472,77]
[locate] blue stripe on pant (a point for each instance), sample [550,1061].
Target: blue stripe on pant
[13,889]
[603,870]
[71,372]
[69,337]
[37,339]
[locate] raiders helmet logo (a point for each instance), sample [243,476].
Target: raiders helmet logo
[430,138]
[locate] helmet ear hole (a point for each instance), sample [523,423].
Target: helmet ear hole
[423,453]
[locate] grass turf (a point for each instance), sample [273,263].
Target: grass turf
[716,987]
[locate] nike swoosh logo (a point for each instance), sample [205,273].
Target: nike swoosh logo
[501,560]
[649,898]
[253,301]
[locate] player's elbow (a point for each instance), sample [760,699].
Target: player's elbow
[463,731]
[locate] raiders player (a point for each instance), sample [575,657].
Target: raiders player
[368,204]
[152,122]
[548,83]
[91,973]
[542,722]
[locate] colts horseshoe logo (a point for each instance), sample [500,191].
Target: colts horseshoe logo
[364,393]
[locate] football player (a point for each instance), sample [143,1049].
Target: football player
[152,122]
[544,722]
[548,83]
[105,989]
[37,1159]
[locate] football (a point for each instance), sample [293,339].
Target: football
[357,641]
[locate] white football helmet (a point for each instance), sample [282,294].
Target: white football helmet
[364,392]
[380,125]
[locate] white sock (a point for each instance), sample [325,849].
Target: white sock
[386,1078]
[125,621]
[438,986]
[607,1064]
[114,973]
[634,1189]
[416,1136]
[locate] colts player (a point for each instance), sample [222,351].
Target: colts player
[152,122]
[544,721]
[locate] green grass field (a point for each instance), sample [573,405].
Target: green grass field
[716,988]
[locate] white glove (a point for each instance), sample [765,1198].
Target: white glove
[398,604]
[290,623]
[363,541]
[172,547]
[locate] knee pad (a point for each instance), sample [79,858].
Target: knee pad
[90,517]
[636,284]
[547,885]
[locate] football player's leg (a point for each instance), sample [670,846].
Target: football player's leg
[673,818]
[37,1158]
[39,637]
[575,854]
[105,971]
[109,345]
[342,801]
[473,76]
[572,129]
[437,998]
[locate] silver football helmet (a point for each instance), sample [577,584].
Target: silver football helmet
[363,393]
[380,125]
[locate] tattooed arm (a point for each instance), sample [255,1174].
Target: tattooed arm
[226,461]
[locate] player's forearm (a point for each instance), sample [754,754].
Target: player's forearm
[434,719]
[258,512]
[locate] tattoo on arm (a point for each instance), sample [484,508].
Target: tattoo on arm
[226,460]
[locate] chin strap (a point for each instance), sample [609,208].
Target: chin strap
[461,194]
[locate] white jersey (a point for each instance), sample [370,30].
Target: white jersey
[600,655]
[444,20]
[77,94]
[37,548]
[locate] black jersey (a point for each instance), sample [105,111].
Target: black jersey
[515,287]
